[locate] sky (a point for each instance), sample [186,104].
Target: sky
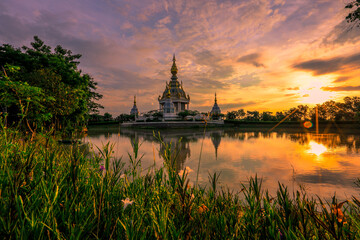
[265,55]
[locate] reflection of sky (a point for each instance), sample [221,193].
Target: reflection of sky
[322,165]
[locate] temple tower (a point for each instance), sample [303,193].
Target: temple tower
[134,110]
[174,92]
[215,109]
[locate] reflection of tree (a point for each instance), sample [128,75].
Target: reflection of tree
[351,142]
[329,140]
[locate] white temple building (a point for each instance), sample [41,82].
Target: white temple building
[174,98]
[173,101]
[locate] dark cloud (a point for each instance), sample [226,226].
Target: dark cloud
[332,65]
[207,58]
[341,79]
[121,79]
[341,88]
[247,80]
[237,105]
[253,59]
[343,33]
[217,70]
[202,83]
[13,30]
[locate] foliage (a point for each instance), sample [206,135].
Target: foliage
[185,113]
[349,110]
[107,116]
[355,14]
[58,93]
[56,192]
[125,117]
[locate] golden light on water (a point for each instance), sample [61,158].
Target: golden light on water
[316,148]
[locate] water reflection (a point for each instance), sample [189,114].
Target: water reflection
[316,148]
[324,163]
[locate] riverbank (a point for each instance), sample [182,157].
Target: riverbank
[173,124]
[48,191]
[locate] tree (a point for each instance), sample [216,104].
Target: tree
[354,15]
[252,116]
[125,117]
[69,94]
[185,113]
[267,116]
[107,116]
[241,113]
[232,115]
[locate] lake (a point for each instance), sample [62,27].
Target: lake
[323,164]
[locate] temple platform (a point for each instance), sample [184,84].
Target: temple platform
[173,124]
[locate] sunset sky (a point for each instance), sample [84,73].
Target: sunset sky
[259,54]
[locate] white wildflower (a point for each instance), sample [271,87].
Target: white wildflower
[127,202]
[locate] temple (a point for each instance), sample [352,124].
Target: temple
[174,98]
[215,109]
[173,101]
[134,110]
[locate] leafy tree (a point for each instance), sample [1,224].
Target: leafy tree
[267,116]
[25,99]
[252,116]
[185,113]
[280,116]
[157,115]
[68,95]
[107,116]
[124,117]
[355,14]
[241,113]
[232,115]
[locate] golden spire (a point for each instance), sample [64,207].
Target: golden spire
[174,69]
[168,95]
[215,98]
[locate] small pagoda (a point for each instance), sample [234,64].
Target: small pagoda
[215,109]
[134,111]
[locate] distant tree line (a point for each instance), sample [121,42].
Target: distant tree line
[349,110]
[43,87]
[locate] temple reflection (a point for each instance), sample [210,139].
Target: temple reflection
[216,139]
[319,160]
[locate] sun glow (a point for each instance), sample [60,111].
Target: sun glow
[310,91]
[314,95]
[316,148]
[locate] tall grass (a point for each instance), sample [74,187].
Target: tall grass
[51,192]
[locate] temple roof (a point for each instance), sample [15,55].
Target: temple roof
[174,87]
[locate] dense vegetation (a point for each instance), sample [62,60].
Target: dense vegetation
[44,88]
[354,15]
[349,110]
[57,192]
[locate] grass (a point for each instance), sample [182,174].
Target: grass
[48,191]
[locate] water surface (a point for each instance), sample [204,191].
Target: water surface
[323,164]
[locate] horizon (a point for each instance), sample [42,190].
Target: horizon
[259,55]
